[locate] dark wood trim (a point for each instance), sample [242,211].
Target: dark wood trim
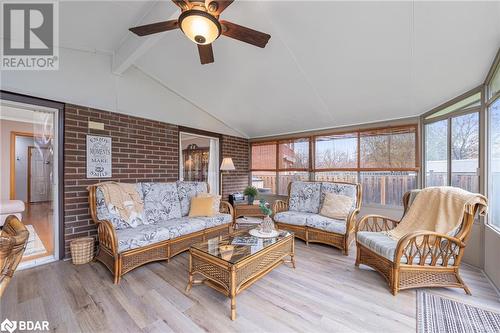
[457,99]
[20,98]
[493,68]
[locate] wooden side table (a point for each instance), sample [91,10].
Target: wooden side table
[241,210]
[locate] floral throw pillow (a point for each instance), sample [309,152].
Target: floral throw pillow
[305,197]
[161,202]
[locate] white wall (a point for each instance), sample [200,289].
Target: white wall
[21,165]
[86,79]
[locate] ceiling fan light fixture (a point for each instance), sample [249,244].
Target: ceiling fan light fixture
[199,26]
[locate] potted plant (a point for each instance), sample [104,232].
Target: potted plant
[267,225]
[251,192]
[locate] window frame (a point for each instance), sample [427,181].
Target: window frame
[479,109]
[357,133]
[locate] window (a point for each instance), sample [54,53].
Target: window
[275,164]
[463,104]
[336,151]
[465,152]
[494,163]
[493,88]
[452,145]
[436,153]
[384,161]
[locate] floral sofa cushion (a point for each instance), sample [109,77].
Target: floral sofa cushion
[161,202]
[348,190]
[110,213]
[291,217]
[305,197]
[216,220]
[143,235]
[184,226]
[186,191]
[385,246]
[327,224]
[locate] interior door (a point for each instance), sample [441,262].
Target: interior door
[39,174]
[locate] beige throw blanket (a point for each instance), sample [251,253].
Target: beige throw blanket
[438,209]
[123,196]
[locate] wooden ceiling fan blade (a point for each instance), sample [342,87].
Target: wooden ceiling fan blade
[182,4]
[244,34]
[216,7]
[154,28]
[206,54]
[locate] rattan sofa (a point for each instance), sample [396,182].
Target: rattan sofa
[307,224]
[420,259]
[120,250]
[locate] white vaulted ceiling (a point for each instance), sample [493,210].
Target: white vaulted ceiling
[328,63]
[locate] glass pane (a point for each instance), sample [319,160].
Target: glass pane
[465,152]
[471,101]
[388,148]
[264,181]
[339,176]
[494,86]
[386,187]
[263,156]
[494,164]
[195,157]
[402,148]
[286,177]
[436,152]
[374,149]
[294,154]
[336,151]
[32,167]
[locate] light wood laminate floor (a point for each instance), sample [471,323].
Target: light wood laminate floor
[325,293]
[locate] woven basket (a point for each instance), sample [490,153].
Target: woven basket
[82,250]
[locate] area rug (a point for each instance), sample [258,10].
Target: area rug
[436,314]
[35,245]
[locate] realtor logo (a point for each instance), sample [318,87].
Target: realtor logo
[30,31]
[8,325]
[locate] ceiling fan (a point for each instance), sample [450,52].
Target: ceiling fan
[199,21]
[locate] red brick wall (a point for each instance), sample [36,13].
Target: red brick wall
[142,150]
[238,150]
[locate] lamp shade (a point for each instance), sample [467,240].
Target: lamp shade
[199,26]
[227,164]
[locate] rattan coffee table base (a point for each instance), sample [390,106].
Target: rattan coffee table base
[231,279]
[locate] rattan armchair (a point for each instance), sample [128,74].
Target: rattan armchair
[421,259]
[13,239]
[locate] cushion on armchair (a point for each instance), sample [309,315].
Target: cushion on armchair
[305,197]
[187,190]
[161,202]
[349,190]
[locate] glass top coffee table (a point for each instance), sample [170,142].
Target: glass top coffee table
[232,263]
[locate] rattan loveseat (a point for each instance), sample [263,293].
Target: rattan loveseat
[123,248]
[300,213]
[420,259]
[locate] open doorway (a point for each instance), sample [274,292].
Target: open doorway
[29,169]
[199,159]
